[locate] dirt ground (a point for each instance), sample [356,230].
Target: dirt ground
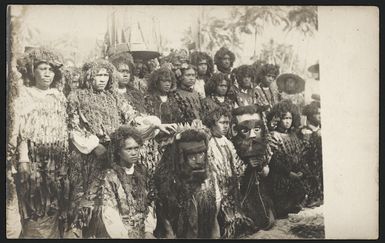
[307,224]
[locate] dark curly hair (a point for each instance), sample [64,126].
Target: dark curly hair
[214,115]
[196,57]
[311,109]
[219,56]
[244,71]
[282,108]
[124,58]
[156,76]
[212,84]
[27,64]
[265,70]
[90,69]
[183,69]
[118,137]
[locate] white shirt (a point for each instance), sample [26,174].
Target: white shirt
[200,87]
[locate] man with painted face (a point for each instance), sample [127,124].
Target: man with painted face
[187,191]
[250,137]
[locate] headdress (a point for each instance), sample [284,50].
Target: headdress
[33,57]
[90,69]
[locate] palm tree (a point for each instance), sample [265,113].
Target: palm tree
[304,20]
[252,19]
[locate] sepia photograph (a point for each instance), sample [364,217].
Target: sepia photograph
[154,122]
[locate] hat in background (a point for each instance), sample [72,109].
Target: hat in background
[282,79]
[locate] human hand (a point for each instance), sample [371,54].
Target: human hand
[167,128]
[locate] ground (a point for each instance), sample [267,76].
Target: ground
[309,223]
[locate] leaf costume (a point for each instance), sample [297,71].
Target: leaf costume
[41,137]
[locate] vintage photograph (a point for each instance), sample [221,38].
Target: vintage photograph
[152,122]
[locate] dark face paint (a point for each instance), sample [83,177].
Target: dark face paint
[250,140]
[193,165]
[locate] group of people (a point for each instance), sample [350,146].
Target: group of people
[160,148]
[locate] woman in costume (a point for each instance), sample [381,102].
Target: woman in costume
[244,93]
[285,155]
[187,100]
[227,168]
[265,92]
[123,62]
[39,140]
[162,85]
[116,204]
[217,88]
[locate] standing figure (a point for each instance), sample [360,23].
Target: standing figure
[140,74]
[186,189]
[116,204]
[250,139]
[285,155]
[217,88]
[266,93]
[161,89]
[39,140]
[312,133]
[205,69]
[244,93]
[224,60]
[186,98]
[133,93]
[227,168]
